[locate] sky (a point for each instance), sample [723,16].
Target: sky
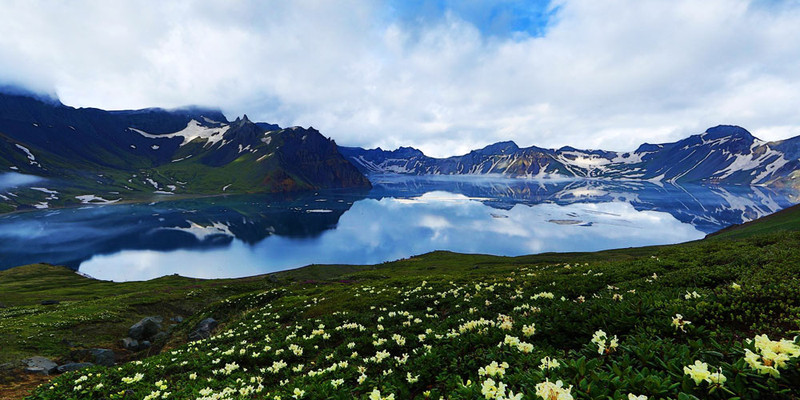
[445,76]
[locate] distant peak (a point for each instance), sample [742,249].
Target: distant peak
[721,131]
[647,147]
[500,147]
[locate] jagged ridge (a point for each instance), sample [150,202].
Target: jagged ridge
[722,154]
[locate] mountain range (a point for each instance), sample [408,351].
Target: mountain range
[70,156]
[723,154]
[88,155]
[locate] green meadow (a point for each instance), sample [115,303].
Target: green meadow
[715,318]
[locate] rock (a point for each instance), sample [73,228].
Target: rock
[160,337]
[177,319]
[73,367]
[39,365]
[203,329]
[130,344]
[49,302]
[144,344]
[145,328]
[104,357]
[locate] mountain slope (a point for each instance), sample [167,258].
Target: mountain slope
[722,154]
[91,155]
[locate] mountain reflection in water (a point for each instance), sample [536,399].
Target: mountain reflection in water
[401,216]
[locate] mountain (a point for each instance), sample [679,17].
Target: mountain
[722,154]
[89,155]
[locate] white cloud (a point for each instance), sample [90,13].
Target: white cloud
[608,74]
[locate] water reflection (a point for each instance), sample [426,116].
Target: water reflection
[390,228]
[401,216]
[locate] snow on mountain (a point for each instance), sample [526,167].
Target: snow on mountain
[194,130]
[722,154]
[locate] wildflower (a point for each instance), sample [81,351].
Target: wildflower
[603,344]
[376,395]
[692,295]
[736,286]
[679,323]
[549,363]
[617,297]
[632,396]
[553,391]
[337,382]
[298,393]
[136,378]
[529,330]
[493,369]
[412,378]
[492,390]
[698,371]
[771,355]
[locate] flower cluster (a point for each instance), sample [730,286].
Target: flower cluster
[771,355]
[699,372]
[604,345]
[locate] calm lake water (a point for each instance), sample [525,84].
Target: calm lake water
[236,236]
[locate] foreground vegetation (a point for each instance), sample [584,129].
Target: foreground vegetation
[710,319]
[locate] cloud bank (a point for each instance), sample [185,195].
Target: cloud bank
[442,76]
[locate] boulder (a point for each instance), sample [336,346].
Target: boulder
[144,344]
[177,319]
[73,367]
[130,344]
[39,365]
[145,328]
[203,329]
[160,337]
[104,357]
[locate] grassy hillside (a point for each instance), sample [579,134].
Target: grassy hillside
[784,220]
[662,322]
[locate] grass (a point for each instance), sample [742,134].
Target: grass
[426,326]
[785,220]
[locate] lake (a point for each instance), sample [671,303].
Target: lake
[402,216]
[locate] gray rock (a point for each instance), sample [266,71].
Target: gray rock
[177,319]
[39,365]
[203,329]
[73,367]
[130,344]
[145,328]
[104,357]
[144,344]
[160,337]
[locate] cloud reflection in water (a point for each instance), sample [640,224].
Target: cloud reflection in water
[373,231]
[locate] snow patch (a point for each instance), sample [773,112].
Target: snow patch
[94,199]
[45,190]
[29,154]
[192,131]
[202,232]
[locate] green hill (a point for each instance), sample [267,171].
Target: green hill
[662,322]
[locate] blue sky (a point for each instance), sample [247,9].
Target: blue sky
[443,76]
[502,19]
